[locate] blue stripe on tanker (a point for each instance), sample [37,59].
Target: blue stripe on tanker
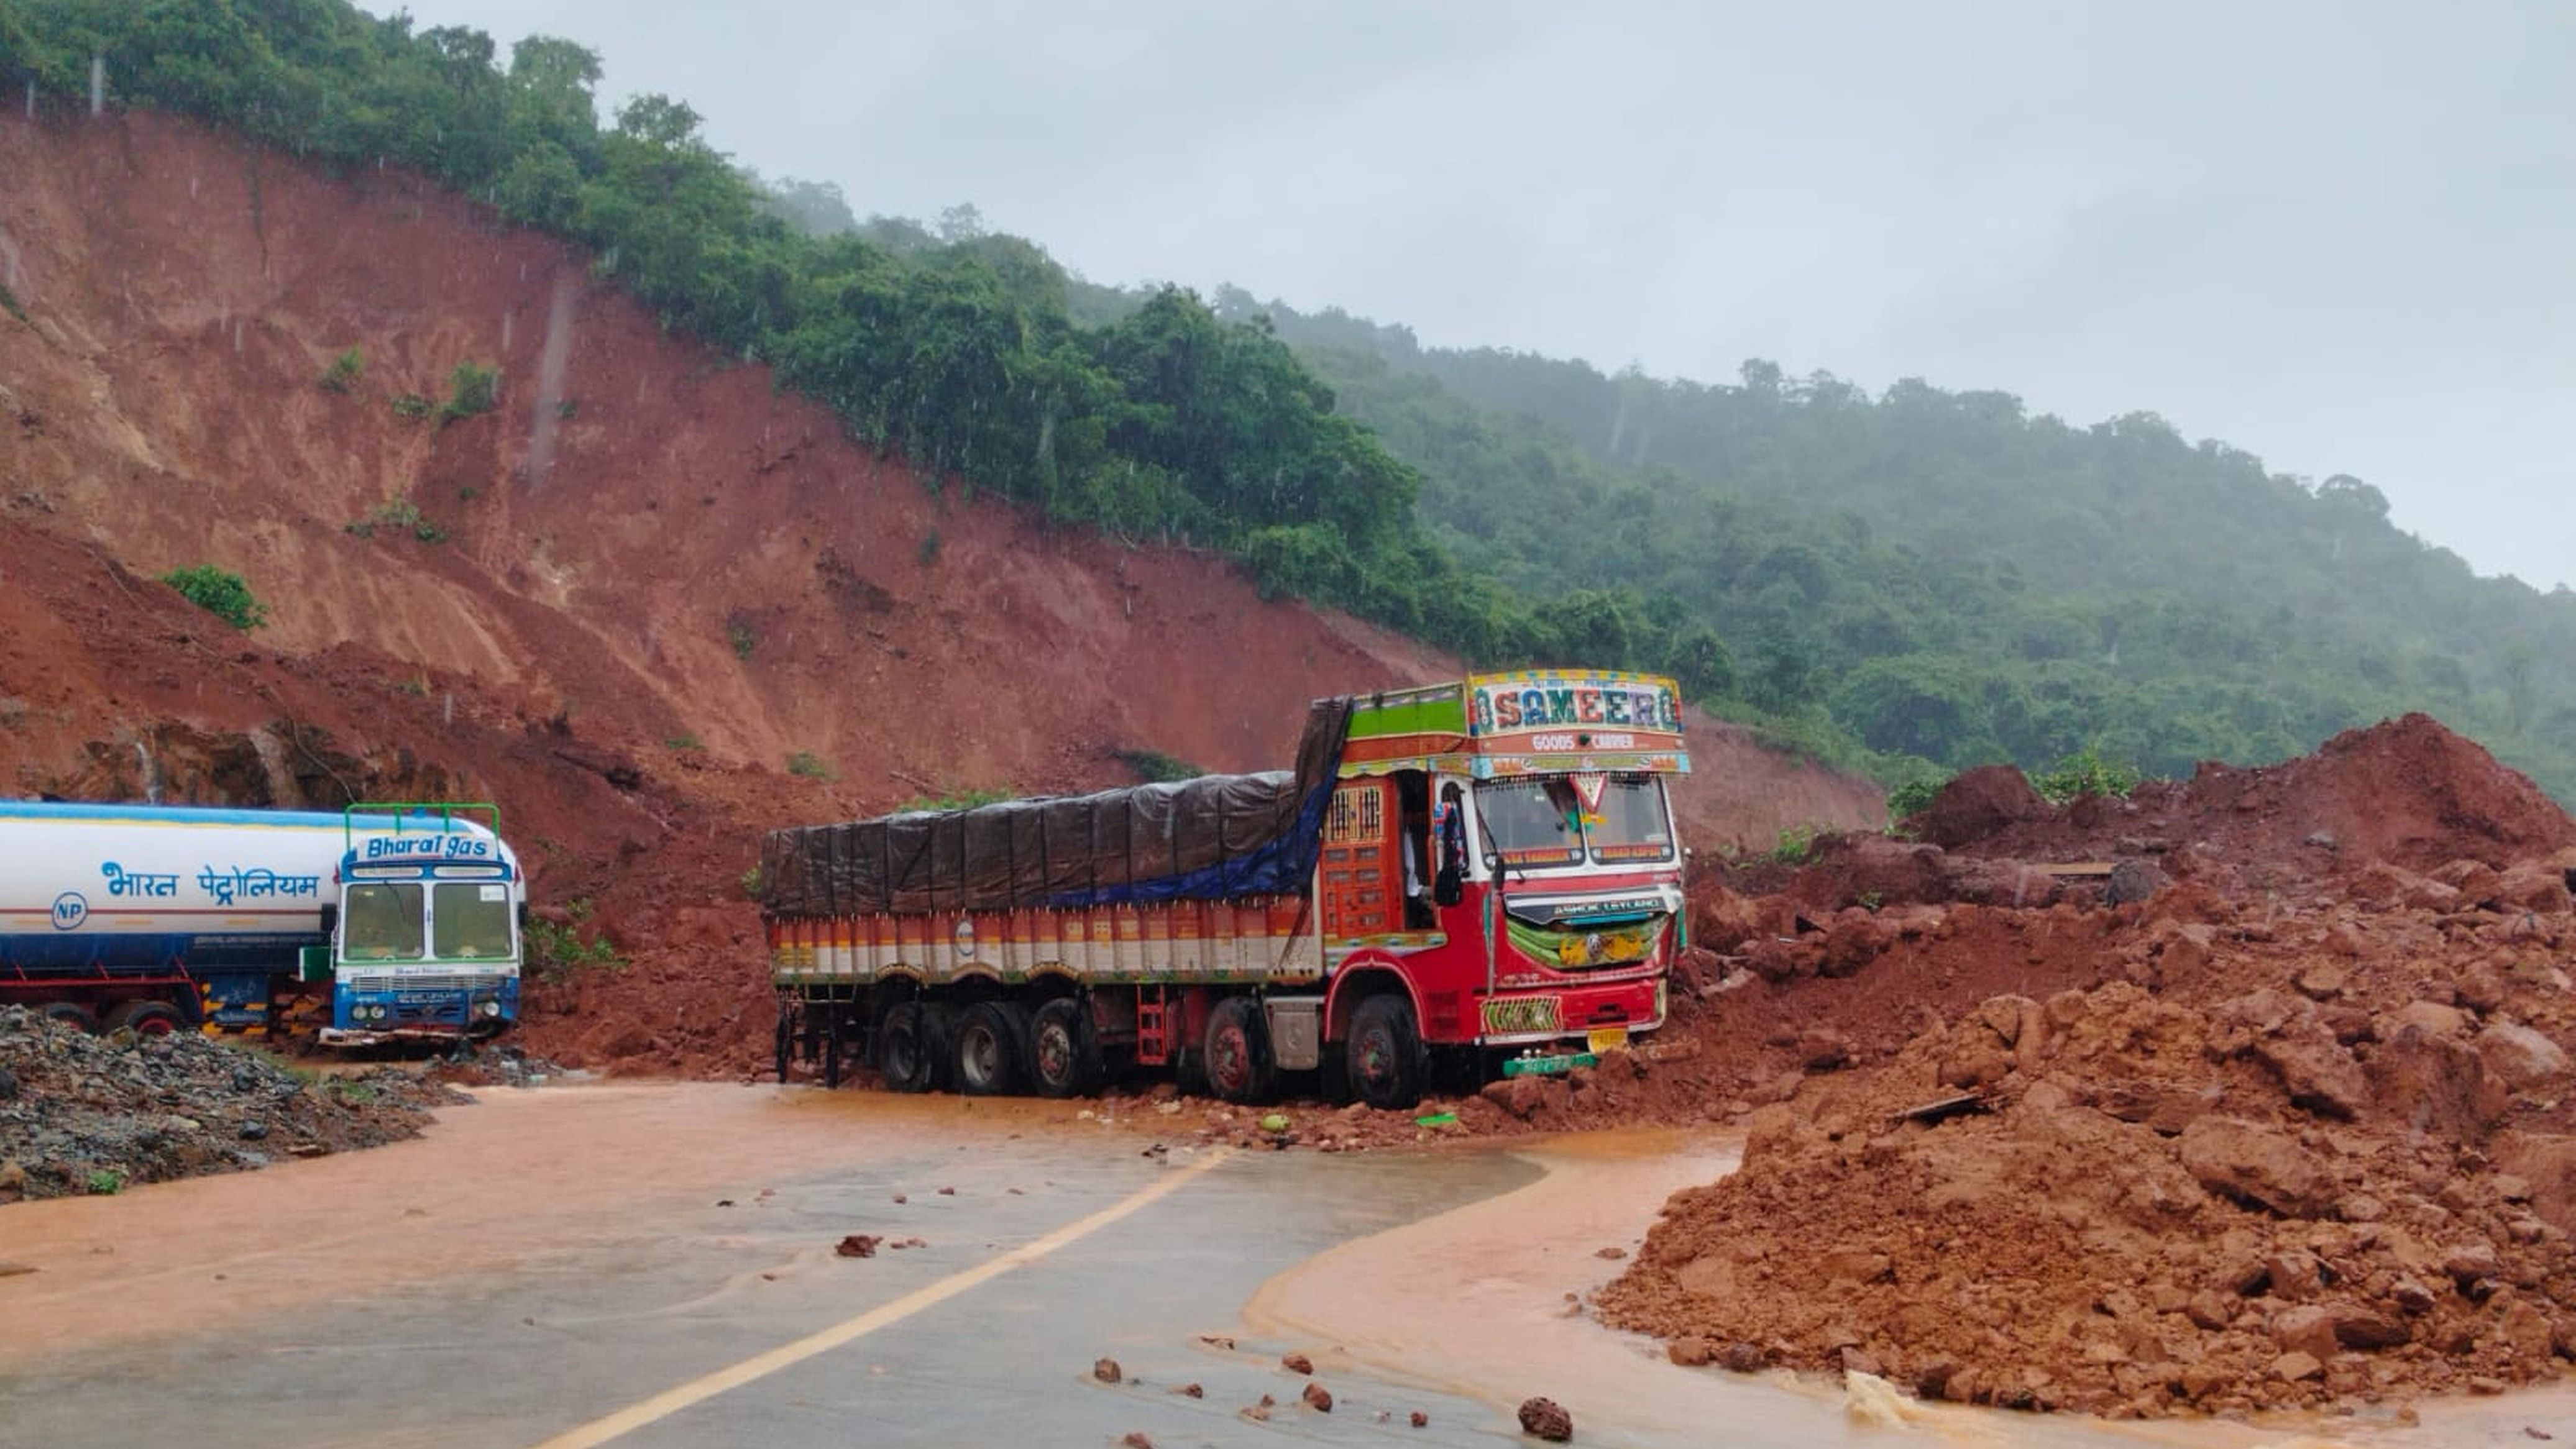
[195,815]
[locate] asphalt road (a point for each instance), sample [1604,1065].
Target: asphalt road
[655,1267]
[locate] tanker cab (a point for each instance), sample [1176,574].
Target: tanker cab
[425,956]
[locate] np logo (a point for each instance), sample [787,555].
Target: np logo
[70,909]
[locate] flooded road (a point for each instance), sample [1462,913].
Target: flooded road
[654,1266]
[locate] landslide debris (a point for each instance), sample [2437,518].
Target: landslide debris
[2290,1124]
[88,1114]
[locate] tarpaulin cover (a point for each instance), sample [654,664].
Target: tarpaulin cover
[1212,838]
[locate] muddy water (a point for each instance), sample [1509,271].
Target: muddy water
[1480,1302]
[495,1183]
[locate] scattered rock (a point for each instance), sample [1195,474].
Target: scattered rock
[858,1245]
[1546,1419]
[1421,1420]
[1318,1399]
[1296,1363]
[1191,1391]
[1107,1371]
[1613,1254]
[1136,1439]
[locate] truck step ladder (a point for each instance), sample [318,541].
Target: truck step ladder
[1153,1028]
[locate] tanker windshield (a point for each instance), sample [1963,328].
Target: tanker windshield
[382,923]
[471,920]
[1543,822]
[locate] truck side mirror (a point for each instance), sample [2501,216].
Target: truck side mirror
[331,918]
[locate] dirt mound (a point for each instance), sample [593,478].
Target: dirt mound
[2407,792]
[2209,1153]
[85,1114]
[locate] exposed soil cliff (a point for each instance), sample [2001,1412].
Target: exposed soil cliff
[620,604]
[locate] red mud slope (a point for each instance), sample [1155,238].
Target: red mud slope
[619,604]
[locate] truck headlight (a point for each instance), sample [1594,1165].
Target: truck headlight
[491,1008]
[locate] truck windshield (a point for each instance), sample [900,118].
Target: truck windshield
[1631,824]
[383,923]
[1542,822]
[1531,822]
[471,920]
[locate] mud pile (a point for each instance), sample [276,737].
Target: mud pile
[85,1114]
[2277,1114]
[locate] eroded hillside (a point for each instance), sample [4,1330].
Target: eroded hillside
[620,602]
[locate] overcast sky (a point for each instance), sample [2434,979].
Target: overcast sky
[2341,235]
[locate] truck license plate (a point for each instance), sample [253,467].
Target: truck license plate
[1606,1038]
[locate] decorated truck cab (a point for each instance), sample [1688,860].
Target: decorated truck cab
[1482,874]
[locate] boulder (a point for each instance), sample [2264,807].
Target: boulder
[1976,804]
[1822,1049]
[2436,1084]
[2316,1070]
[2429,1017]
[2532,886]
[2307,1329]
[2519,1056]
[2132,880]
[1546,1419]
[2258,1165]
[1852,943]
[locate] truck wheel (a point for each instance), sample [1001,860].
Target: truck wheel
[907,1049]
[786,1033]
[145,1018]
[1064,1052]
[1386,1052]
[988,1051]
[71,1014]
[1237,1051]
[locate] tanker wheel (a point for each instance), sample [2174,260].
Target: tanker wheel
[907,1048]
[786,1045]
[988,1050]
[71,1014]
[1237,1051]
[1386,1052]
[1064,1051]
[145,1018]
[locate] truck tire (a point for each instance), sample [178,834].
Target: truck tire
[1237,1052]
[145,1018]
[71,1014]
[988,1050]
[786,1045]
[908,1048]
[1064,1051]
[1386,1052]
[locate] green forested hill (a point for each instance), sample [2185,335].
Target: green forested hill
[1954,578]
[1938,576]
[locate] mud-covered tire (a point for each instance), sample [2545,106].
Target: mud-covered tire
[1236,1050]
[988,1050]
[71,1014]
[145,1018]
[1064,1050]
[1386,1053]
[908,1046]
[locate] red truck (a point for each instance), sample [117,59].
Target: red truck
[1482,874]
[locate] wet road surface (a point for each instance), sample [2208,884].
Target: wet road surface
[556,1267]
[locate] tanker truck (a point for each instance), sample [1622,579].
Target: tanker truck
[383,922]
[1481,875]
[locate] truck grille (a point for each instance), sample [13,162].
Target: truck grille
[1512,1015]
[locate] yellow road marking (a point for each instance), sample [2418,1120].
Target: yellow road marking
[671,1401]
